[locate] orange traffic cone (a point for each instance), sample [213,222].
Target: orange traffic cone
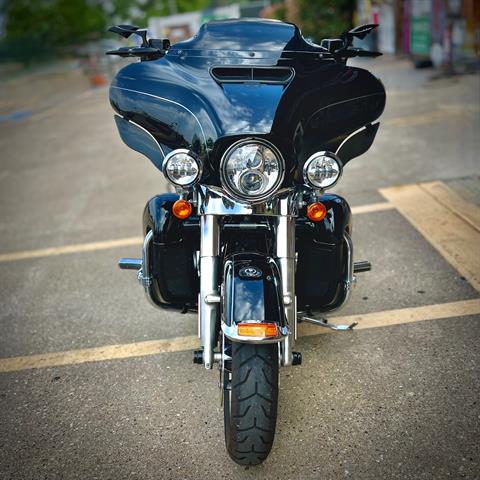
[98,80]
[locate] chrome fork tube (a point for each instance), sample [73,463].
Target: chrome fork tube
[285,255]
[208,307]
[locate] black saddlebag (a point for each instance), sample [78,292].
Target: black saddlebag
[322,257]
[175,243]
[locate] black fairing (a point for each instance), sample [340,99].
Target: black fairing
[252,290]
[140,140]
[185,101]
[175,277]
[321,248]
[358,143]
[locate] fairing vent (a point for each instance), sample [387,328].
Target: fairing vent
[276,75]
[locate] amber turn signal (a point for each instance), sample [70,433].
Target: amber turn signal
[258,329]
[182,209]
[316,211]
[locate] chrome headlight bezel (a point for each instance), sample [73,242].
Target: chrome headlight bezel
[237,194]
[183,151]
[313,158]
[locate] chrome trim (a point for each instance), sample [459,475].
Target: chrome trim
[213,298]
[349,279]
[189,153]
[209,269]
[144,275]
[323,322]
[310,160]
[219,357]
[246,226]
[235,195]
[231,332]
[347,139]
[285,259]
[143,268]
[130,263]
[215,201]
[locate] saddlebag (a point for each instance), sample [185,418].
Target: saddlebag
[172,259]
[322,265]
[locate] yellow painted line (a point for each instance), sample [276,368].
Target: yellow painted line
[454,202]
[442,224]
[125,242]
[180,344]
[398,317]
[98,354]
[79,248]
[373,207]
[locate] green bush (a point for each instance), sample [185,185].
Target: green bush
[325,18]
[35,30]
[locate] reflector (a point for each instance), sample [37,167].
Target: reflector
[258,329]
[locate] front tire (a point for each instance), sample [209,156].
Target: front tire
[250,402]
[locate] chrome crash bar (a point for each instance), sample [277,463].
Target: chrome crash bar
[348,284]
[142,265]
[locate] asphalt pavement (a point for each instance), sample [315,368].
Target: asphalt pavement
[387,402]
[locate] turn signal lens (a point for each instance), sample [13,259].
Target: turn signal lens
[258,329]
[182,209]
[316,211]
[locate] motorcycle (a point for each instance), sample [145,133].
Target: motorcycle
[251,124]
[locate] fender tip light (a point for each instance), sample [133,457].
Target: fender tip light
[182,209]
[316,211]
[257,329]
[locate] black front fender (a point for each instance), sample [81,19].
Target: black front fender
[252,290]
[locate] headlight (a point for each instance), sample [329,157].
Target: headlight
[252,170]
[322,170]
[181,168]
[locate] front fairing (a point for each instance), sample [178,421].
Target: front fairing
[178,100]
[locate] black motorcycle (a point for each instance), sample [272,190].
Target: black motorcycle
[251,124]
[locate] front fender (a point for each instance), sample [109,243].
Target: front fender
[252,293]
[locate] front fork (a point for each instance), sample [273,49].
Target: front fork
[210,298]
[285,257]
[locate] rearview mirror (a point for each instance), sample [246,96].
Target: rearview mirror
[361,31]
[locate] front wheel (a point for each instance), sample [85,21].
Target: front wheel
[251,398]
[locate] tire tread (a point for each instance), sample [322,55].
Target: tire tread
[250,426]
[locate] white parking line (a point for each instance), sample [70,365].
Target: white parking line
[179,344]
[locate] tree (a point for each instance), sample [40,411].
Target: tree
[317,18]
[53,23]
[325,18]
